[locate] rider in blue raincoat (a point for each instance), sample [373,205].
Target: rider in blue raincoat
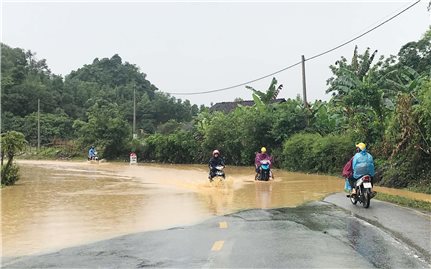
[363,164]
[91,153]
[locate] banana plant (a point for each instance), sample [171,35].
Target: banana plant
[263,99]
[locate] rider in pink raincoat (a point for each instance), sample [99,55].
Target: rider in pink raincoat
[260,157]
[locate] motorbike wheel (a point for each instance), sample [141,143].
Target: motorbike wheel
[353,198]
[367,198]
[260,176]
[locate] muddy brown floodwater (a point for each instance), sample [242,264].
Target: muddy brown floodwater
[62,204]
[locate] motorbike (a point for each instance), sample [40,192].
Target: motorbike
[218,173]
[364,191]
[94,157]
[264,171]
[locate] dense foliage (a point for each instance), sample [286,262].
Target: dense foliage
[79,106]
[12,143]
[383,102]
[316,153]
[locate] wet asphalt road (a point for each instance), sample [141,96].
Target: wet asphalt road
[409,225]
[316,235]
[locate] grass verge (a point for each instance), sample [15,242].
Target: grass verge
[423,205]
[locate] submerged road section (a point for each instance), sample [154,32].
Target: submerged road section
[315,235]
[58,204]
[115,215]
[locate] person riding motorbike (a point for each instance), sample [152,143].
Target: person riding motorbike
[216,160]
[362,164]
[260,156]
[91,153]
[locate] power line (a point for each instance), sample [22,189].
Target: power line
[298,63]
[366,32]
[237,85]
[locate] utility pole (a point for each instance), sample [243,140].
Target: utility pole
[134,110]
[304,86]
[38,124]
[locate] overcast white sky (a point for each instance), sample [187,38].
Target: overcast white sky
[198,46]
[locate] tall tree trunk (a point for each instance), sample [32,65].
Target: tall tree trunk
[7,167]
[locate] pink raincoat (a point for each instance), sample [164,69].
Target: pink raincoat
[261,157]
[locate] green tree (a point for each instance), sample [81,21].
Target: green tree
[176,147]
[290,117]
[357,88]
[261,98]
[106,129]
[422,112]
[355,84]
[417,54]
[327,118]
[12,143]
[52,127]
[313,152]
[25,79]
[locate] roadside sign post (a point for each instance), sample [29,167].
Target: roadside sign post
[133,158]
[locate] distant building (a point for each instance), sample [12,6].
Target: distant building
[227,107]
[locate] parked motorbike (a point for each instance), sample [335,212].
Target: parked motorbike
[218,173]
[264,171]
[364,191]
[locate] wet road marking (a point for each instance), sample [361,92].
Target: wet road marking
[217,245]
[223,225]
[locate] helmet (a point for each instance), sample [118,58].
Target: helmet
[216,152]
[263,150]
[361,146]
[92,146]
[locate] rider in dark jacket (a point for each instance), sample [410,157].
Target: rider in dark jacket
[215,161]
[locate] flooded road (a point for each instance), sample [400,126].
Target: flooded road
[61,204]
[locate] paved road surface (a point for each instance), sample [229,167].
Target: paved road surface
[409,225]
[316,235]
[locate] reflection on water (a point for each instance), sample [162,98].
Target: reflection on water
[61,204]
